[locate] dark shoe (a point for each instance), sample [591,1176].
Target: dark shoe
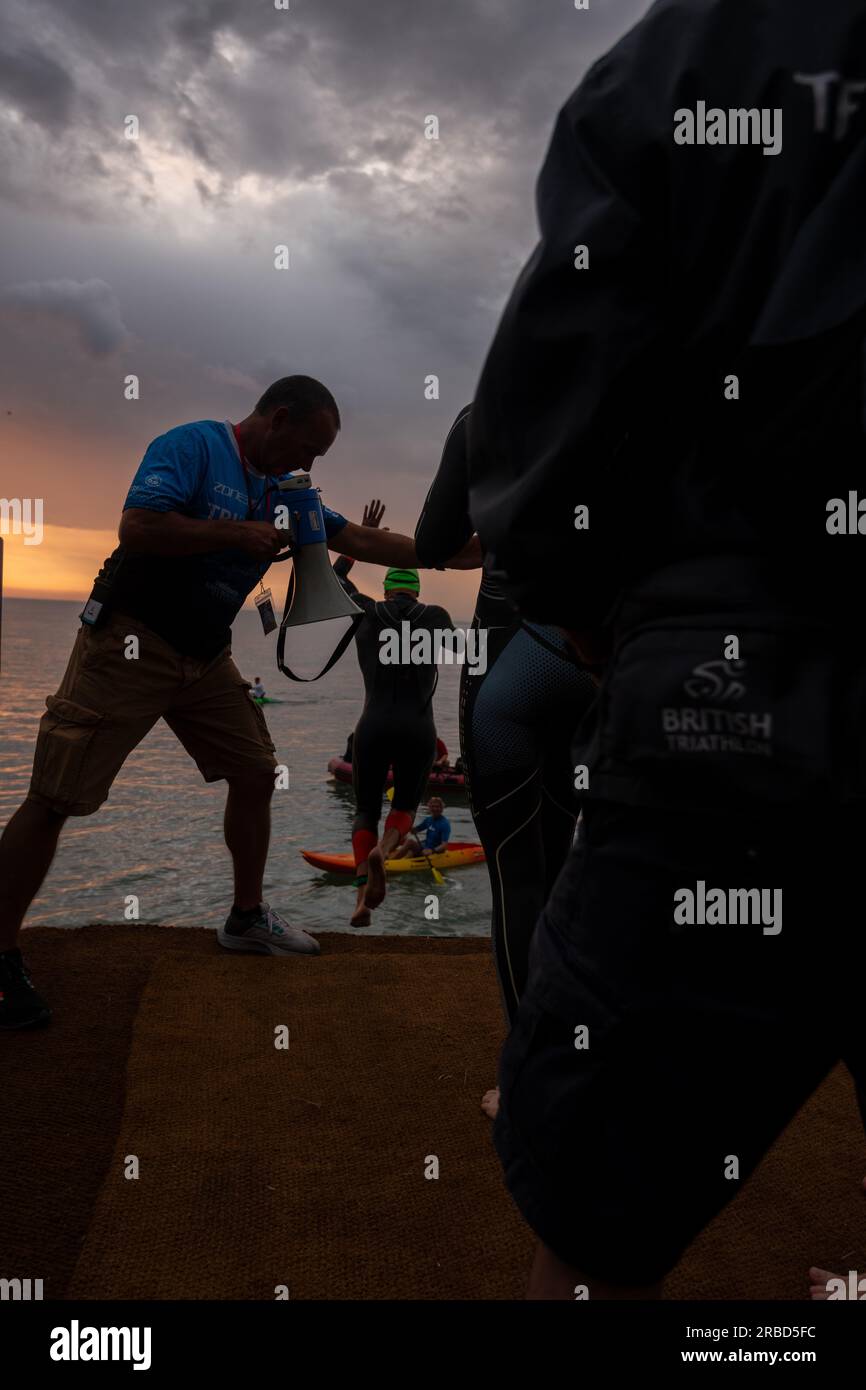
[20,1005]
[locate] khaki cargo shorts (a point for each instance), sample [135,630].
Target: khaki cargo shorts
[106,704]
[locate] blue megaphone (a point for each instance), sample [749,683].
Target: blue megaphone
[314,593]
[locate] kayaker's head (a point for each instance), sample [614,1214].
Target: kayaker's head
[402,582]
[295,422]
[436,805]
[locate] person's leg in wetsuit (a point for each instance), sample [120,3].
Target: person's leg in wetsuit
[415,743]
[370,762]
[517,723]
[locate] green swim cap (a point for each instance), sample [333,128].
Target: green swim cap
[402,579]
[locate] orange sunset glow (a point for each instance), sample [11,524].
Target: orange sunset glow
[82,479]
[66,562]
[62,567]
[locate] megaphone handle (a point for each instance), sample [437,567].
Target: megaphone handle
[281,640]
[332,660]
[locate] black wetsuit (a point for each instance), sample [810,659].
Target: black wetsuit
[396,727]
[517,720]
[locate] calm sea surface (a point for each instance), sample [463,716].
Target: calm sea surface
[159,835]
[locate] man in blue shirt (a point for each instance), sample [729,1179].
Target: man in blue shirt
[197,472]
[438,828]
[196,536]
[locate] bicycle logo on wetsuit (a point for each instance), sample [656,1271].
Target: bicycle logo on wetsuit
[716,680]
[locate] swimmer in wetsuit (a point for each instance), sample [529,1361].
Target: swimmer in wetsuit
[517,721]
[396,727]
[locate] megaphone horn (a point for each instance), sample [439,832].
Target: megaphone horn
[314,594]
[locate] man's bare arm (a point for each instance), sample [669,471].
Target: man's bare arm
[144,532]
[374,546]
[390,548]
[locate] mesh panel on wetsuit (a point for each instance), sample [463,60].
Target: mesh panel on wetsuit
[513,710]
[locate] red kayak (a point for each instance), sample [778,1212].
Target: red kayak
[455,780]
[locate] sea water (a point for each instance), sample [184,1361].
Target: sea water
[158,838]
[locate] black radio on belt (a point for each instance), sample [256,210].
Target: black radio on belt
[96,608]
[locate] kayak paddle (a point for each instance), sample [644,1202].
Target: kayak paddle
[437,877]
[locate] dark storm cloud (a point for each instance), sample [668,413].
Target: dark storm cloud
[37,86]
[257,127]
[195,25]
[323,87]
[91,307]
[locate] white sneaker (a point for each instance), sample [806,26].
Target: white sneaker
[266,934]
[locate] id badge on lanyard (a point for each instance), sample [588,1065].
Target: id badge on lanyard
[265,606]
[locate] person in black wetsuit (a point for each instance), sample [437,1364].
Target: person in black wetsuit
[396,727]
[516,725]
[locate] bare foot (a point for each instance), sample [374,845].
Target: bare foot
[375,893]
[490,1103]
[818,1281]
[361,916]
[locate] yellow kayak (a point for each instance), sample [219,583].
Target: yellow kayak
[457,855]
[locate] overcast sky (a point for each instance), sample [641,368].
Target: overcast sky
[260,126]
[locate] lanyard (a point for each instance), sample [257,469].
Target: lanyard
[251,510]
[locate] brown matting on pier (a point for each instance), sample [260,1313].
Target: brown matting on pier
[305,1167]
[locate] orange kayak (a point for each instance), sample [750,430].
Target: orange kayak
[457,854]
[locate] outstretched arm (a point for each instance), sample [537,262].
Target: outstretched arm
[390,548]
[373,513]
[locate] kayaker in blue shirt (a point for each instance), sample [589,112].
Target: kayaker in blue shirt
[438,832]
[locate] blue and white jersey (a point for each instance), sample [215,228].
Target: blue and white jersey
[192,601]
[197,470]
